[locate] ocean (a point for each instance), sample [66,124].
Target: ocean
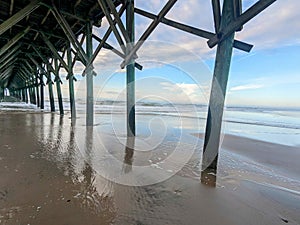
[269,124]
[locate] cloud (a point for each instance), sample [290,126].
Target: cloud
[246,87]
[275,27]
[185,93]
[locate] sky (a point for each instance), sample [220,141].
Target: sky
[178,66]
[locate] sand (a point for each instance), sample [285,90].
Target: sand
[46,178]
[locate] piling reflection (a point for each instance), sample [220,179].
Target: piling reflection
[129,151]
[88,190]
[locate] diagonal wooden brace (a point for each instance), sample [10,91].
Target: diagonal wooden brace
[148,31]
[254,10]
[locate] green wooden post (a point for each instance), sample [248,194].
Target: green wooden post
[89,77]
[58,88]
[30,95]
[1,93]
[33,95]
[218,92]
[71,83]
[50,88]
[20,95]
[23,95]
[130,70]
[37,93]
[26,95]
[51,96]
[42,91]
[36,87]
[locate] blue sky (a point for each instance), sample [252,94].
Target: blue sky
[178,66]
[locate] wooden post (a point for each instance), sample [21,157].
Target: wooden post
[33,95]
[130,70]
[42,91]
[51,97]
[50,88]
[20,95]
[1,93]
[26,95]
[29,94]
[71,83]
[89,77]
[58,88]
[23,95]
[37,93]
[218,92]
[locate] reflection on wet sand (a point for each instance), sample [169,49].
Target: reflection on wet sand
[129,151]
[49,176]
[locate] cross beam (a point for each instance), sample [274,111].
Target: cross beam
[192,30]
[70,35]
[14,40]
[106,36]
[254,10]
[112,24]
[19,16]
[148,31]
[54,51]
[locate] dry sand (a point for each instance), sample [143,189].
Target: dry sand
[45,181]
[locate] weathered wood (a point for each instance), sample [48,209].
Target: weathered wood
[37,91]
[26,95]
[89,77]
[148,31]
[69,34]
[192,30]
[71,83]
[104,39]
[118,20]
[130,70]
[240,21]
[112,24]
[55,52]
[9,23]
[117,52]
[14,40]
[58,88]
[13,51]
[33,95]
[217,13]
[23,95]
[50,89]
[42,91]
[218,92]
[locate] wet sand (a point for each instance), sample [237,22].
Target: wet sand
[50,174]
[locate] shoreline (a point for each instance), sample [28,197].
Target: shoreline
[46,179]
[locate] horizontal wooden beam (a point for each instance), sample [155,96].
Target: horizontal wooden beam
[192,30]
[254,10]
[19,16]
[117,52]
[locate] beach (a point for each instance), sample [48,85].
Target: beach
[57,171]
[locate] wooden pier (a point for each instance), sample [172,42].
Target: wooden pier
[38,38]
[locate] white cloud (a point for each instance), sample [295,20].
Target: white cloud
[246,87]
[277,26]
[185,93]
